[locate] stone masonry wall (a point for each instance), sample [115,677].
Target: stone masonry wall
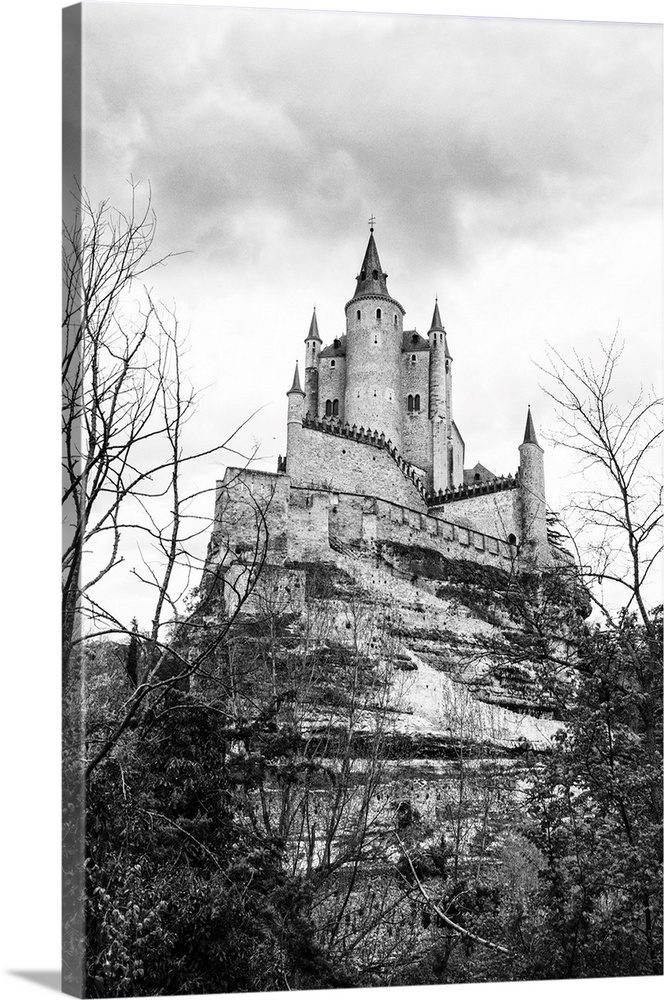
[331,384]
[392,523]
[494,513]
[415,381]
[324,460]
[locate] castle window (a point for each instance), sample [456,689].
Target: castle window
[410,404]
[328,407]
[378,315]
[335,408]
[416,404]
[333,363]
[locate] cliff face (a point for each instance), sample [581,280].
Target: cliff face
[397,653]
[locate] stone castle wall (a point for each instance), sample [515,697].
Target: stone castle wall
[335,462]
[493,513]
[416,427]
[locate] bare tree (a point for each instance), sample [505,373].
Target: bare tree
[618,513]
[126,404]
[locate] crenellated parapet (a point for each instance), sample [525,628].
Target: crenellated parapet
[468,490]
[365,435]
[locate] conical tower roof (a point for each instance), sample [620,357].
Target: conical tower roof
[436,323]
[313,328]
[371,280]
[296,387]
[529,436]
[437,327]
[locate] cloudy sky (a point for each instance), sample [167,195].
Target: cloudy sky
[514,168]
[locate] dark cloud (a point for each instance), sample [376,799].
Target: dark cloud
[541,125]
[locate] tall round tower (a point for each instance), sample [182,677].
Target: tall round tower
[532,501]
[374,336]
[440,405]
[313,345]
[437,356]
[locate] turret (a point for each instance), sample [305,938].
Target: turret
[440,404]
[374,334]
[437,355]
[294,429]
[532,498]
[295,395]
[313,345]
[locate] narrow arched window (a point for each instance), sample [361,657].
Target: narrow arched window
[413,359]
[333,363]
[416,404]
[335,408]
[328,407]
[410,404]
[447,366]
[379,315]
[396,321]
[511,539]
[359,314]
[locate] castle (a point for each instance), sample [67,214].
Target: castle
[374,455]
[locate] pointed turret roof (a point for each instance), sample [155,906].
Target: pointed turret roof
[437,327]
[436,323]
[371,280]
[313,329]
[529,436]
[296,387]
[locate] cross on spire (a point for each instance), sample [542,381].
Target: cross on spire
[372,219]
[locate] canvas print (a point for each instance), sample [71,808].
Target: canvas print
[361,473]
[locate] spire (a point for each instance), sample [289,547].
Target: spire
[371,280]
[296,387]
[313,328]
[530,437]
[435,322]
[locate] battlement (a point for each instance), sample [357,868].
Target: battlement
[467,490]
[378,440]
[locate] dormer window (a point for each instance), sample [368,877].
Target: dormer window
[375,275]
[415,337]
[337,343]
[363,275]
